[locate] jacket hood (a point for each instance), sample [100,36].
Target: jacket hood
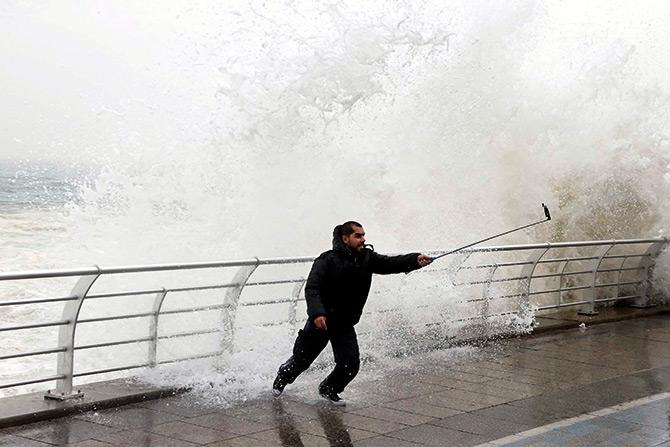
[338,245]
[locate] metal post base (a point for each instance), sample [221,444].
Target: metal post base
[589,313]
[642,306]
[63,397]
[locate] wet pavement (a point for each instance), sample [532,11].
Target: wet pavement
[606,385]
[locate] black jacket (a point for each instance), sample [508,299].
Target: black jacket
[339,282]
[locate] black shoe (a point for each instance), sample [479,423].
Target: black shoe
[278,387]
[331,396]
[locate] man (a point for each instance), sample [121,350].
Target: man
[336,290]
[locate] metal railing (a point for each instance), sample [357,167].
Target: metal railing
[524,278]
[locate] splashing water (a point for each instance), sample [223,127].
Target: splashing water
[431,124]
[257,127]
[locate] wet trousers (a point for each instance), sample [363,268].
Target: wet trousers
[309,344]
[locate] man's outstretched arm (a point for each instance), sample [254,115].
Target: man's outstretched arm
[385,265]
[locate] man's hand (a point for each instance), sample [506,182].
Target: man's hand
[423,260]
[320,322]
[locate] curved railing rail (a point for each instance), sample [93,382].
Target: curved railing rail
[531,277]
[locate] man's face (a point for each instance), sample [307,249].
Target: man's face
[356,240]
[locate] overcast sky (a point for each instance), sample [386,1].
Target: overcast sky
[80,78]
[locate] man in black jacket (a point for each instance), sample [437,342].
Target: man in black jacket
[336,290]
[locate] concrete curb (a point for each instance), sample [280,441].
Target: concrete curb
[572,320]
[33,407]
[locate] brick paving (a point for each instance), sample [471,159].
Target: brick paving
[607,385]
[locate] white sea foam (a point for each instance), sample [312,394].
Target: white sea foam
[430,123]
[255,128]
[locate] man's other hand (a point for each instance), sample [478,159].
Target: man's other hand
[423,260]
[320,322]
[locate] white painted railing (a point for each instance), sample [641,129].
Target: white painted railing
[535,277]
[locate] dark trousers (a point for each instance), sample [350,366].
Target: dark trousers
[309,344]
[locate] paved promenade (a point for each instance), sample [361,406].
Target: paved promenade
[606,385]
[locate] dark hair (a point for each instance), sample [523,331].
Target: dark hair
[348,227]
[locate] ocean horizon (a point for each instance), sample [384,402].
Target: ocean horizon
[36,184]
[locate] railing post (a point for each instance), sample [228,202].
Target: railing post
[457,265]
[559,294]
[153,327]
[231,301]
[618,276]
[293,307]
[591,310]
[524,283]
[66,335]
[648,262]
[486,298]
